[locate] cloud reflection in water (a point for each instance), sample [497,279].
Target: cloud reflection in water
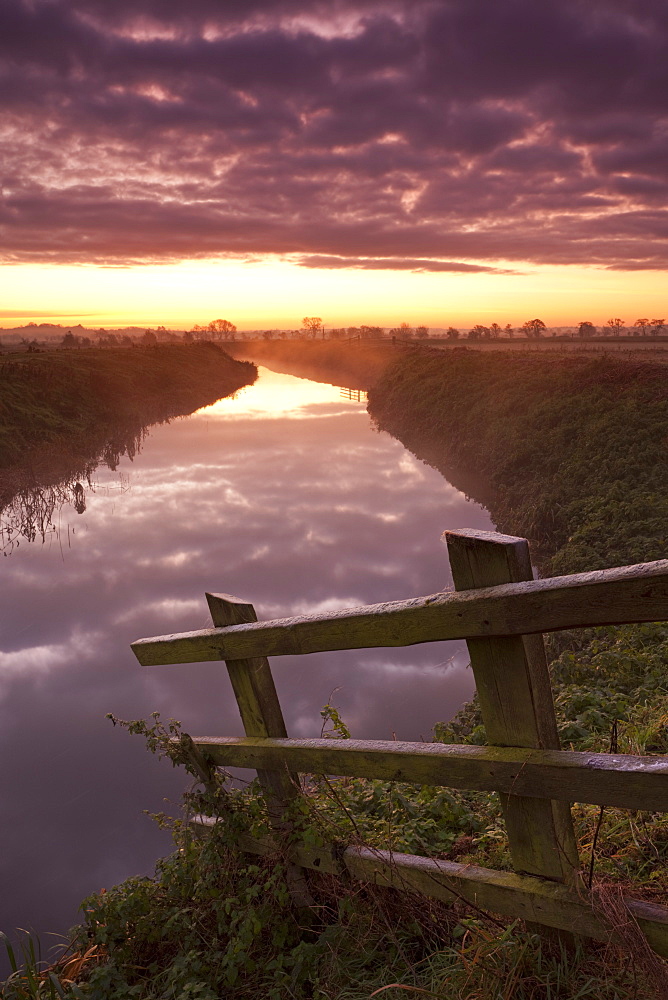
[284,496]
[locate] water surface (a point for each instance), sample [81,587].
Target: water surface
[284,496]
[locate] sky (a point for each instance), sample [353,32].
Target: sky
[428,161]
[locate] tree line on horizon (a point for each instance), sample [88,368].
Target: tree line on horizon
[312,327]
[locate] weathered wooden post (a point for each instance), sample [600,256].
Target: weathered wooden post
[516,703]
[261,715]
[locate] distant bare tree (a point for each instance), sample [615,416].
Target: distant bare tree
[371,332]
[642,325]
[222,329]
[586,329]
[616,326]
[533,328]
[422,332]
[657,326]
[451,333]
[495,330]
[312,325]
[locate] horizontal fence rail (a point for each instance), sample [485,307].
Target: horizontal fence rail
[626,781]
[606,597]
[535,900]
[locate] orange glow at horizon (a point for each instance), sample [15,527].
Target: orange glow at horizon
[276,294]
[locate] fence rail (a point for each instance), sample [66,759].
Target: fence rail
[629,782]
[501,612]
[606,597]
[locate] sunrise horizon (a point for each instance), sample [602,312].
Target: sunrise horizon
[371,162]
[126,296]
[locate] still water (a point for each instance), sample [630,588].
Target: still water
[283,495]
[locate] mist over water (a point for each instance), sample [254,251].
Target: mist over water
[284,496]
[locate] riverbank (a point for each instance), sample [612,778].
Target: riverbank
[69,398]
[62,413]
[568,452]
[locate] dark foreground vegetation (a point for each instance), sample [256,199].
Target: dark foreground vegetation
[572,454]
[62,413]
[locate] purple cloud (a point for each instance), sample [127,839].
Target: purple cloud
[429,132]
[396,264]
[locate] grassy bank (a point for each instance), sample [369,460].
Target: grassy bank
[63,413]
[68,398]
[568,452]
[571,453]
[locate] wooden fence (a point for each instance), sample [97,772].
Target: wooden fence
[501,611]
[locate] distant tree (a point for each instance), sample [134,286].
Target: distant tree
[149,337]
[337,333]
[479,332]
[616,326]
[642,325]
[451,333]
[268,334]
[422,332]
[404,330]
[586,329]
[221,328]
[508,329]
[533,328]
[69,340]
[312,325]
[188,337]
[495,330]
[370,332]
[657,326]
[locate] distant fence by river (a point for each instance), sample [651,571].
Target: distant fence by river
[501,611]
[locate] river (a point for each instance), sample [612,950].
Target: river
[283,495]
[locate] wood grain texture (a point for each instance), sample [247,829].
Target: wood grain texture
[606,597]
[629,782]
[516,704]
[261,715]
[259,707]
[534,900]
